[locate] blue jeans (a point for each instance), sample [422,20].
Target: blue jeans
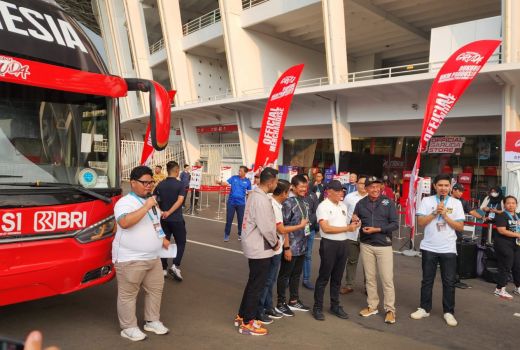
[230,214]
[307,264]
[266,297]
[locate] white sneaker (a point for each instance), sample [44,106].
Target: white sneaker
[502,293]
[156,326]
[450,319]
[419,314]
[175,273]
[516,291]
[165,273]
[134,334]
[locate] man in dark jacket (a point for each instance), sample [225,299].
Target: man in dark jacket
[379,219]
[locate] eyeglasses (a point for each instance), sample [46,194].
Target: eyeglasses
[146,183]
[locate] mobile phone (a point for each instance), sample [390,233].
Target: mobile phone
[10,344]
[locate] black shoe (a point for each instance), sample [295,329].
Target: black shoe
[284,310]
[318,314]
[461,285]
[298,306]
[273,313]
[308,285]
[263,319]
[338,311]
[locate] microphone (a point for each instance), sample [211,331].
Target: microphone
[153,208]
[441,199]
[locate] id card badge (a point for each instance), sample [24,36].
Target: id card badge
[491,215]
[158,229]
[307,230]
[441,226]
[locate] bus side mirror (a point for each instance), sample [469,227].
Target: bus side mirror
[160,102]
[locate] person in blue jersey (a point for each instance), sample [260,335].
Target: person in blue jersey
[240,186]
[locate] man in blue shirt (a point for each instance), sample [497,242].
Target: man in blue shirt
[185,178]
[240,185]
[351,186]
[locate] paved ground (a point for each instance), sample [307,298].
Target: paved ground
[200,311]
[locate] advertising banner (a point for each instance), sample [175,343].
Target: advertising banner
[512,146]
[225,172]
[446,144]
[196,177]
[450,83]
[275,115]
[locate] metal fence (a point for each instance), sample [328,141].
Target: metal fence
[397,71]
[131,156]
[157,46]
[247,4]
[201,22]
[217,155]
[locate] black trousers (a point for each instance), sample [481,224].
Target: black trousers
[448,264]
[289,275]
[258,271]
[508,258]
[333,255]
[177,229]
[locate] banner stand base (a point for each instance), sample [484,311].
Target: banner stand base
[411,252]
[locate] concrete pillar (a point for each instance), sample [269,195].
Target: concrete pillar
[511,91]
[511,31]
[170,13]
[139,44]
[248,137]
[111,20]
[190,140]
[244,59]
[341,135]
[335,39]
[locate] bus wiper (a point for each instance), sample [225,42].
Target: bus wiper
[78,188]
[3,176]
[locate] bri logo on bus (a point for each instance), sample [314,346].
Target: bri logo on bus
[46,221]
[13,67]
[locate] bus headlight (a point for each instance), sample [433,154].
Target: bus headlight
[99,230]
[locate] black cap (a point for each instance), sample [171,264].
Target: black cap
[373,180]
[334,185]
[458,186]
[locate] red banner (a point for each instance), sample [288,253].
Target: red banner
[275,115]
[146,156]
[449,84]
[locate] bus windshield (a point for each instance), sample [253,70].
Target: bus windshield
[55,136]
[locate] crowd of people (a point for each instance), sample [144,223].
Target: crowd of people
[278,223]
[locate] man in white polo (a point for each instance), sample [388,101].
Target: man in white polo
[135,253]
[332,218]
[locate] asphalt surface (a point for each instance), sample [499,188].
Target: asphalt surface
[199,311]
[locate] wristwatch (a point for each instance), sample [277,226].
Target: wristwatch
[286,248]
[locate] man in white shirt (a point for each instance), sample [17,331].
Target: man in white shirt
[332,218]
[135,253]
[440,215]
[350,201]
